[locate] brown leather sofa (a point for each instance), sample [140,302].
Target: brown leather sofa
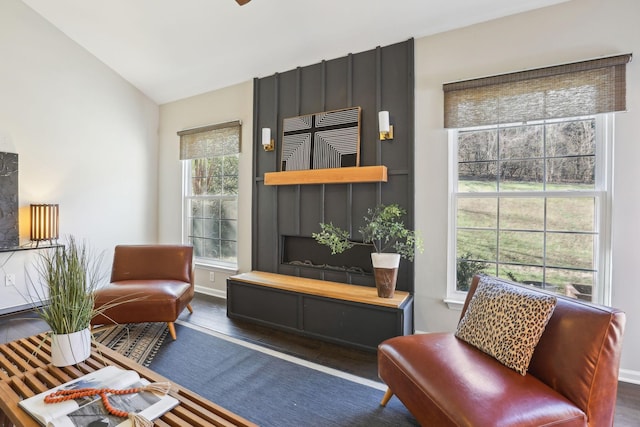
[149,283]
[572,378]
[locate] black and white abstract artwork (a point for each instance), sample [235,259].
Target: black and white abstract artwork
[321,140]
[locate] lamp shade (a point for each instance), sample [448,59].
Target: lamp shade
[44,222]
[383,121]
[266,136]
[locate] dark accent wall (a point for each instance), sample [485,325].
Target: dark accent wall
[378,79]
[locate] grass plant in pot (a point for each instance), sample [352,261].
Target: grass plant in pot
[69,275]
[385,231]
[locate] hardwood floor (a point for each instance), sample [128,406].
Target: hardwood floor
[210,312]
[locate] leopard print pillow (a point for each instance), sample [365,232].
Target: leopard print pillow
[506,322]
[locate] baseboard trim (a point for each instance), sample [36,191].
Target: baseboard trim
[629,376]
[211,292]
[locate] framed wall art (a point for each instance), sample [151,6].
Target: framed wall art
[321,140]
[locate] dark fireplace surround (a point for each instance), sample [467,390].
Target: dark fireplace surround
[323,303]
[305,252]
[285,216]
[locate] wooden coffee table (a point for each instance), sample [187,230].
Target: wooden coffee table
[25,370]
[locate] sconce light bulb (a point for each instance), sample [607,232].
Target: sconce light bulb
[383,121]
[267,142]
[385,128]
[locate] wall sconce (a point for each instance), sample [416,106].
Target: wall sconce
[44,223]
[386,130]
[267,142]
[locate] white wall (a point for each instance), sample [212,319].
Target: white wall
[573,31]
[85,138]
[232,103]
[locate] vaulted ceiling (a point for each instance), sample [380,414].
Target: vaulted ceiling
[173,49]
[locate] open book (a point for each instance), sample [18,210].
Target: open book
[90,411]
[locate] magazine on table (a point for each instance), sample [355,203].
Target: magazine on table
[90,411]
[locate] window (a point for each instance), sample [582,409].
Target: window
[210,192]
[530,176]
[531,203]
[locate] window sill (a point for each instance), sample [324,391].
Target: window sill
[230,269]
[454,304]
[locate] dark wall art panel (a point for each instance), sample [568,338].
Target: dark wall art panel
[297,105]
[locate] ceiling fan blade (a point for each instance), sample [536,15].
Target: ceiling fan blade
[242,2]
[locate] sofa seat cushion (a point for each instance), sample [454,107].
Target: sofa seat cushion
[143,301]
[445,381]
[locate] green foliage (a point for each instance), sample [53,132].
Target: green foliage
[71,275]
[334,237]
[465,270]
[383,229]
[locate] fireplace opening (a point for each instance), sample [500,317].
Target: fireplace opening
[306,252]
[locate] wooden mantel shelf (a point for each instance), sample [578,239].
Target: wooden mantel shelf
[346,175]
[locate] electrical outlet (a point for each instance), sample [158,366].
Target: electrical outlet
[212,276]
[10,280]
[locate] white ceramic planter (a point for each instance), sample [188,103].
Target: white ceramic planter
[385,260]
[69,349]
[385,267]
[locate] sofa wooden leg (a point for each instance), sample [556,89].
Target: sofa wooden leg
[189,308]
[386,398]
[172,330]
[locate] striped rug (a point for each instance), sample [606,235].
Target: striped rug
[137,341]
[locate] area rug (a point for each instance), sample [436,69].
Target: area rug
[272,388]
[137,341]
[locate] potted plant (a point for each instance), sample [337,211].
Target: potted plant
[69,275]
[385,231]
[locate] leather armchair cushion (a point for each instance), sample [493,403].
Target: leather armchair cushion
[444,381]
[143,301]
[155,262]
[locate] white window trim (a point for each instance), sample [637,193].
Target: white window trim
[604,176]
[605,124]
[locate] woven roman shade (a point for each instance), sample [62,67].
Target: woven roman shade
[569,90]
[210,141]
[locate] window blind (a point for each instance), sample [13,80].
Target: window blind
[569,90]
[210,141]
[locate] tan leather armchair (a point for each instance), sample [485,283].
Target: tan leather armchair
[149,283]
[572,378]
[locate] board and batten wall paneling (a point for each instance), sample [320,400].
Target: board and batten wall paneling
[378,79]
